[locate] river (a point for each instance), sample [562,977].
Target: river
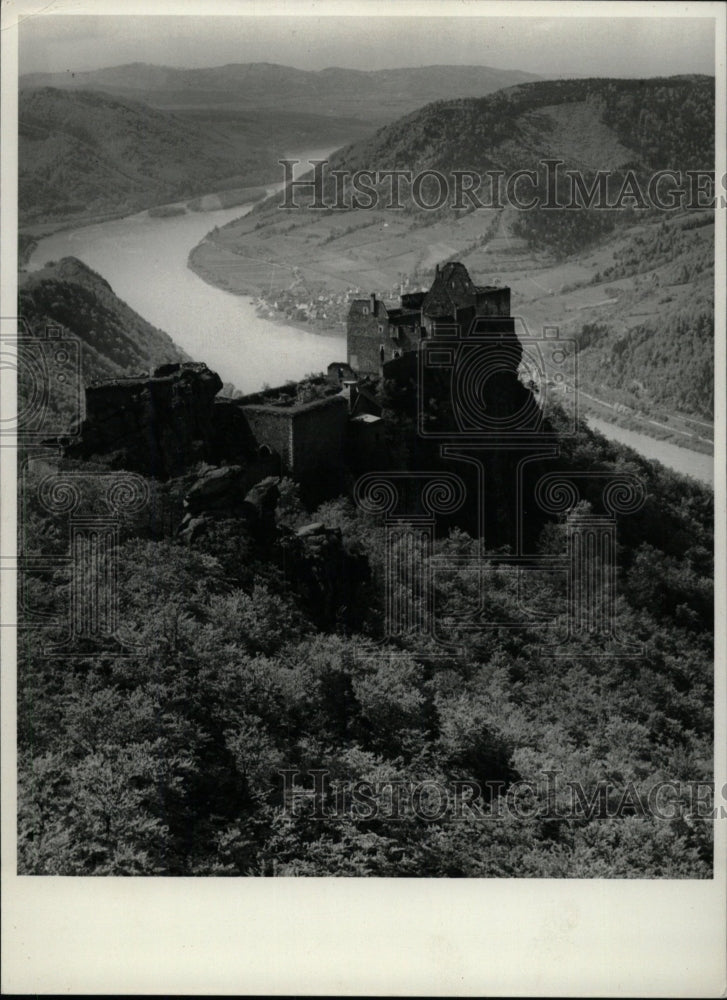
[144,260]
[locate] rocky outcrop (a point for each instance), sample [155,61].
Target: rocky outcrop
[223,493]
[232,439]
[323,573]
[314,560]
[157,425]
[260,503]
[217,489]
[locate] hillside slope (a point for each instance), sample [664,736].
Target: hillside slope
[257,648]
[84,153]
[588,124]
[113,141]
[657,123]
[112,339]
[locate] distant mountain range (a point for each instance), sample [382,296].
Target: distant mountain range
[375,96]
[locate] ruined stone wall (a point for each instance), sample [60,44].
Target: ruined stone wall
[364,346]
[272,426]
[493,302]
[162,424]
[309,437]
[319,431]
[266,396]
[364,335]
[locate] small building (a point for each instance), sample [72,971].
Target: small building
[309,437]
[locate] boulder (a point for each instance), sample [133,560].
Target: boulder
[192,527]
[219,493]
[261,501]
[218,488]
[161,423]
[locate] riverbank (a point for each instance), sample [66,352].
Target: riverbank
[684,460]
[279,319]
[264,311]
[145,261]
[656,430]
[30,235]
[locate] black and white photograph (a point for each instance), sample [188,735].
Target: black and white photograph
[363,419]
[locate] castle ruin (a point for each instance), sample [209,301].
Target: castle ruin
[162,423]
[377,334]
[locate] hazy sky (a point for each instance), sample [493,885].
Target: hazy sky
[550,46]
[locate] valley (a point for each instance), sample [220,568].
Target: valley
[102,144]
[258,540]
[632,286]
[307,271]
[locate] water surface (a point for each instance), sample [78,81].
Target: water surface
[684,460]
[145,261]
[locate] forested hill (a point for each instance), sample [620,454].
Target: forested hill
[248,656]
[111,338]
[85,153]
[113,141]
[599,124]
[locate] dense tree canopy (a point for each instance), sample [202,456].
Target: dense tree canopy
[191,754]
